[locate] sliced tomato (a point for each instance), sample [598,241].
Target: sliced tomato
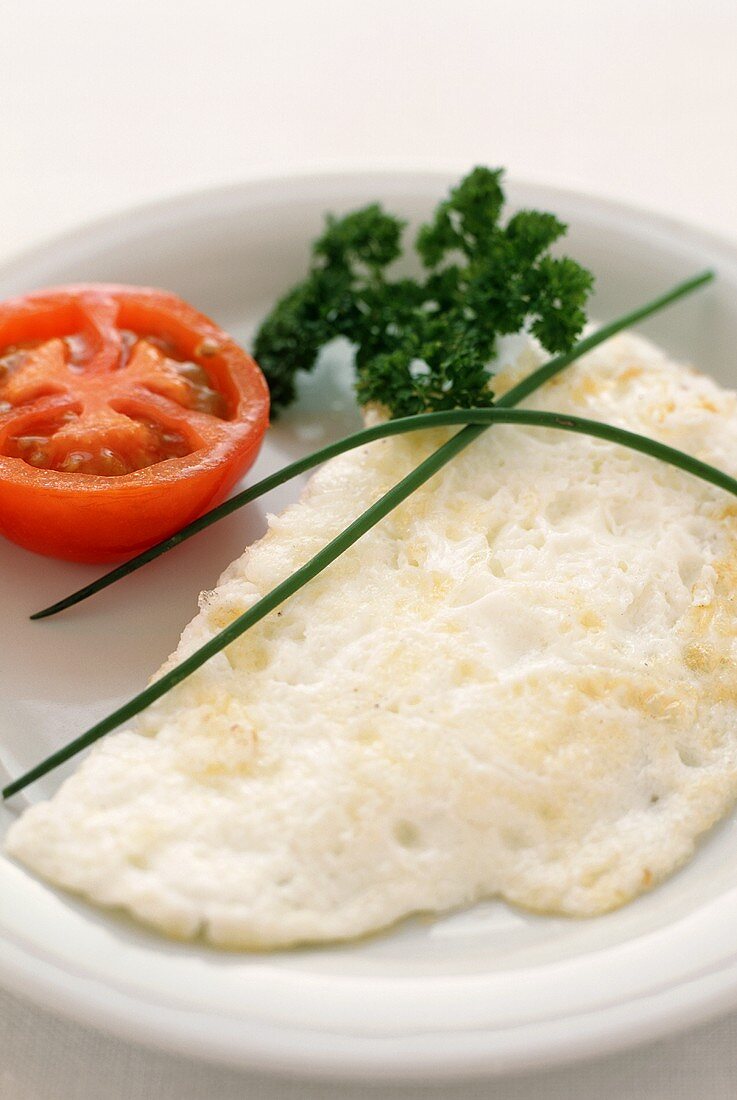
[124,414]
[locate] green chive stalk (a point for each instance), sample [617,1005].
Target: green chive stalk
[476,421]
[302,465]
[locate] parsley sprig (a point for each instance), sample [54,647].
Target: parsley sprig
[427,344]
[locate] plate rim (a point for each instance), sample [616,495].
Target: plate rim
[334,1056]
[326,1054]
[270,182]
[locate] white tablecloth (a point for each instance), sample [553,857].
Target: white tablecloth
[108,104]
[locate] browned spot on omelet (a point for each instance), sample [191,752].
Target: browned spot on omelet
[710,632]
[700,656]
[650,696]
[718,617]
[588,385]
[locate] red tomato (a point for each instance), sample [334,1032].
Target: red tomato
[124,414]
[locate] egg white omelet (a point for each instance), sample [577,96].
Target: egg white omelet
[521,683]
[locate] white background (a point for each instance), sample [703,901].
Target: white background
[106,103]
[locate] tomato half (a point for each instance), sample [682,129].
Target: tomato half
[124,414]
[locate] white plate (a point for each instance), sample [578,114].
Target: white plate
[479,992]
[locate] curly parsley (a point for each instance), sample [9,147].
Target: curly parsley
[428,343]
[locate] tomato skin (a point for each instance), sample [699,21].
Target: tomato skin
[107,522]
[89,517]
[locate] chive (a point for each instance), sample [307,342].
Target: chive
[358,439]
[477,421]
[479,418]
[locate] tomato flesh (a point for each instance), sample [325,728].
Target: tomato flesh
[122,396]
[104,441]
